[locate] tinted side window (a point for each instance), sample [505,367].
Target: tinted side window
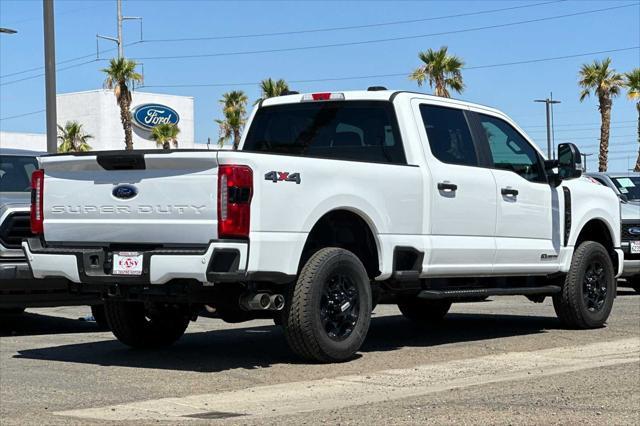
[449,135]
[345,130]
[15,173]
[510,150]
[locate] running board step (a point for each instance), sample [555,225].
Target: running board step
[462,293]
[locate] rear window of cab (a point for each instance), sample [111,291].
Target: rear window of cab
[345,130]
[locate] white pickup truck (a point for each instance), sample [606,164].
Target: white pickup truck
[335,202]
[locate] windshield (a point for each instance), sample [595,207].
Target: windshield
[628,185]
[346,130]
[15,173]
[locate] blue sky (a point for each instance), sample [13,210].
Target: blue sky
[510,88]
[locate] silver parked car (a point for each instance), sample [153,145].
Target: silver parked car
[627,187]
[18,288]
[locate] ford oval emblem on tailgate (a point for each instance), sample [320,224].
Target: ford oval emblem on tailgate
[125,192]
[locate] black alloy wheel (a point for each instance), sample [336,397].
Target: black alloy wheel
[339,307]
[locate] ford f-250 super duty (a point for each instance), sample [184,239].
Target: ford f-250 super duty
[334,202]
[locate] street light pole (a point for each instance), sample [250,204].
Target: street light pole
[584,161]
[548,102]
[50,75]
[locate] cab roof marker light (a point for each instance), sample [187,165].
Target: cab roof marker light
[323,97]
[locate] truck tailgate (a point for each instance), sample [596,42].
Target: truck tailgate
[134,198]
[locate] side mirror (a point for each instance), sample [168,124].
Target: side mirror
[569,161]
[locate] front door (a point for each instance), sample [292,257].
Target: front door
[527,214]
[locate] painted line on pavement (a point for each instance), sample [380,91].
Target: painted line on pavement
[339,392]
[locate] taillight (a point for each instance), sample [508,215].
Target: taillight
[235,188]
[37,207]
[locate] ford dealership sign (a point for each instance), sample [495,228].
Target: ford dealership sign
[147,116]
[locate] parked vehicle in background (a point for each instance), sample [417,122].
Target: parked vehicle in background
[18,288]
[625,185]
[627,188]
[631,244]
[335,202]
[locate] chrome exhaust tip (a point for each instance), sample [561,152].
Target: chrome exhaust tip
[277,302]
[255,302]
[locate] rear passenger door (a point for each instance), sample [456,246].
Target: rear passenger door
[461,195]
[527,205]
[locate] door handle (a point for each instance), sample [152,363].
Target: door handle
[509,192]
[447,187]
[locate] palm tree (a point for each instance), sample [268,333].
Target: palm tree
[604,82]
[121,72]
[165,134]
[633,93]
[72,138]
[234,108]
[443,71]
[270,89]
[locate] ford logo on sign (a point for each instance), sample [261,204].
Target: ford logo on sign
[148,116]
[125,192]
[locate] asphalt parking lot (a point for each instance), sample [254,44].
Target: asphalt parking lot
[504,361]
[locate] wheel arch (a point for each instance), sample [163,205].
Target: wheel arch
[598,229]
[349,228]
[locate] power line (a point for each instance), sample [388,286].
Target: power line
[57,70]
[403,74]
[294,32]
[65,61]
[383,40]
[596,138]
[586,128]
[579,124]
[351,27]
[22,115]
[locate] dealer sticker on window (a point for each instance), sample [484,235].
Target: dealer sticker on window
[635,247]
[127,263]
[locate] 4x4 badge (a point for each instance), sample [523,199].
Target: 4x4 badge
[282,176]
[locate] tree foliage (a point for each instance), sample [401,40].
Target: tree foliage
[121,73]
[601,79]
[234,109]
[72,138]
[165,134]
[441,70]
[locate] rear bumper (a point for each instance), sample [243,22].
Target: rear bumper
[219,261]
[18,288]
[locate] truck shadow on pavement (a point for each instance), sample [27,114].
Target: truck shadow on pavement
[265,346]
[32,324]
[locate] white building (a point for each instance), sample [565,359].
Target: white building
[99,114]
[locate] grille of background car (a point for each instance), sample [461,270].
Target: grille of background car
[626,235]
[14,229]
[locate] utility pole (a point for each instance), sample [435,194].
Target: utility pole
[120,47]
[50,75]
[118,39]
[584,161]
[548,103]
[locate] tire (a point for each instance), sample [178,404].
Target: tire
[317,325]
[146,325]
[575,305]
[99,316]
[424,312]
